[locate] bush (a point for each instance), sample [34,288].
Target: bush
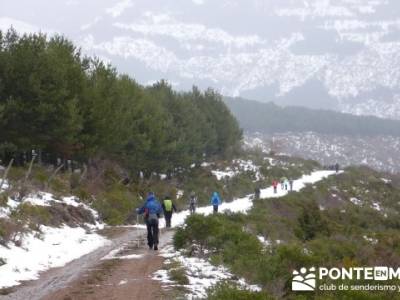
[32,215]
[311,223]
[115,205]
[225,291]
[225,240]
[177,273]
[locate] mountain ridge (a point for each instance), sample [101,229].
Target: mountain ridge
[267,117]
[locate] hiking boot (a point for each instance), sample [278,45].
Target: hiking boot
[150,247]
[155,247]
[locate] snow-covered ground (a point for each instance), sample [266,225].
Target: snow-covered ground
[238,166]
[4,186]
[116,254]
[200,272]
[378,152]
[53,247]
[245,203]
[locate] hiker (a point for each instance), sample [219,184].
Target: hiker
[284,181]
[168,208]
[275,185]
[257,193]
[291,184]
[192,202]
[337,167]
[215,201]
[151,210]
[286,184]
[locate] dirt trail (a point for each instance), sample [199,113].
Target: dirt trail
[118,279]
[89,277]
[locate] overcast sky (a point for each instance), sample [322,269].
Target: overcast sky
[252,48]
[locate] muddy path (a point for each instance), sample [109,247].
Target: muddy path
[78,278]
[120,278]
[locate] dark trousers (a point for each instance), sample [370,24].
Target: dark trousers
[168,216]
[152,232]
[275,189]
[192,208]
[215,209]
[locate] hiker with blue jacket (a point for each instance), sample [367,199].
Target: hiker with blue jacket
[151,211]
[168,208]
[215,201]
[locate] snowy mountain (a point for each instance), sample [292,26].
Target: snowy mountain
[379,152]
[339,54]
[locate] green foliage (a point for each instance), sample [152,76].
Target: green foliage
[318,226]
[59,186]
[3,199]
[32,215]
[55,100]
[311,222]
[177,273]
[224,237]
[225,291]
[115,205]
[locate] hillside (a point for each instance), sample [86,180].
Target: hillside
[347,220]
[255,116]
[57,215]
[378,152]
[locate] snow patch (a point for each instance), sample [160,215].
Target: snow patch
[264,241]
[242,205]
[356,201]
[179,194]
[239,166]
[376,206]
[55,247]
[113,254]
[201,274]
[47,199]
[371,240]
[5,186]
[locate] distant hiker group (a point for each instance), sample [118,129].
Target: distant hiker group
[286,184]
[334,167]
[152,210]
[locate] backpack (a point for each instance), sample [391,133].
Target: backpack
[168,205]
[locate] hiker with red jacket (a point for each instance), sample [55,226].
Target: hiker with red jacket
[168,208]
[275,185]
[151,211]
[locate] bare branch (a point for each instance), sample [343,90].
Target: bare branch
[53,175]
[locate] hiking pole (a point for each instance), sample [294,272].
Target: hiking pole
[137,230]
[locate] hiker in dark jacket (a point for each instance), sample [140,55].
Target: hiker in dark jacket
[291,184]
[151,210]
[192,202]
[168,207]
[337,167]
[257,193]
